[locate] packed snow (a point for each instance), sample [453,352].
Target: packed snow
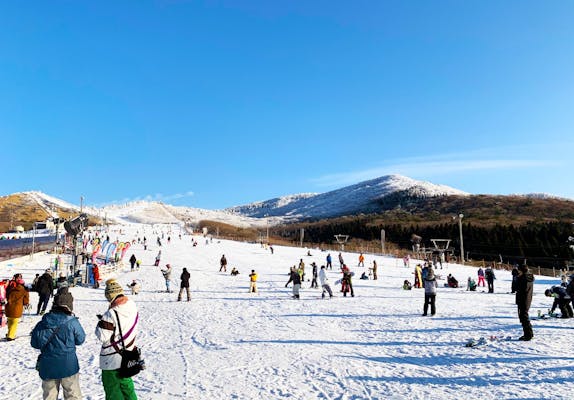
[227,343]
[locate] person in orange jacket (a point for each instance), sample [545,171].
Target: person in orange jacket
[17,298]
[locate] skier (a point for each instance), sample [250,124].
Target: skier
[325,282]
[430,292]
[184,277]
[329,262]
[524,288]
[490,277]
[133,260]
[17,298]
[45,289]
[122,314]
[252,282]
[561,300]
[314,281]
[223,264]
[56,336]
[167,276]
[296,279]
[480,274]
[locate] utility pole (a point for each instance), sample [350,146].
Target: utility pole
[81,203]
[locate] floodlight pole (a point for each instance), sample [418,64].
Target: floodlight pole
[460,216]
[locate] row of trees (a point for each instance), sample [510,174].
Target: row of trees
[542,244]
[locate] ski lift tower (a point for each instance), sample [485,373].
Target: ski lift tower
[441,246]
[342,239]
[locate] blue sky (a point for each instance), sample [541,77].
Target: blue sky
[218,103]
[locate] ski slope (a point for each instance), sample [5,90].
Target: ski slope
[229,344]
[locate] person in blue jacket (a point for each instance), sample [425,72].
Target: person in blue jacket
[57,335]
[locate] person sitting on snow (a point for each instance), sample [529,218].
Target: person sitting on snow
[407,285]
[561,300]
[471,284]
[451,281]
[234,271]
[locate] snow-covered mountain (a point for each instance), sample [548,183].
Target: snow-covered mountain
[363,197]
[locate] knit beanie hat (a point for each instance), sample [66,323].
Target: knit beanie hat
[113,289]
[64,299]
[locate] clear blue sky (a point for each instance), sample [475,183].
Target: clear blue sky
[218,103]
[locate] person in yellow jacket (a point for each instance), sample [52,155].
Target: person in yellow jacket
[253,283]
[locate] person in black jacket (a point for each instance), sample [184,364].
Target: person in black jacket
[133,260]
[489,275]
[184,285]
[561,300]
[296,279]
[45,289]
[524,285]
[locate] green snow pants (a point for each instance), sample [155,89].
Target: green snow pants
[117,388]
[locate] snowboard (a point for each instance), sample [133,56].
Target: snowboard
[482,341]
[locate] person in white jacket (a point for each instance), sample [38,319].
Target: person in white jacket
[122,311]
[430,292]
[325,282]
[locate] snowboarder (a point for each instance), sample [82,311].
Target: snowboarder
[325,282]
[17,299]
[223,264]
[470,285]
[561,300]
[252,282]
[167,276]
[45,289]
[296,279]
[122,314]
[430,292]
[58,363]
[451,281]
[184,285]
[234,272]
[347,282]
[524,288]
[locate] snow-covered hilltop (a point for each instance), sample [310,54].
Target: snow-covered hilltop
[363,197]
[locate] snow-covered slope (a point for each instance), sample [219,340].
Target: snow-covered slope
[362,197]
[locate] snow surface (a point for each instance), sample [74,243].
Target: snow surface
[229,344]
